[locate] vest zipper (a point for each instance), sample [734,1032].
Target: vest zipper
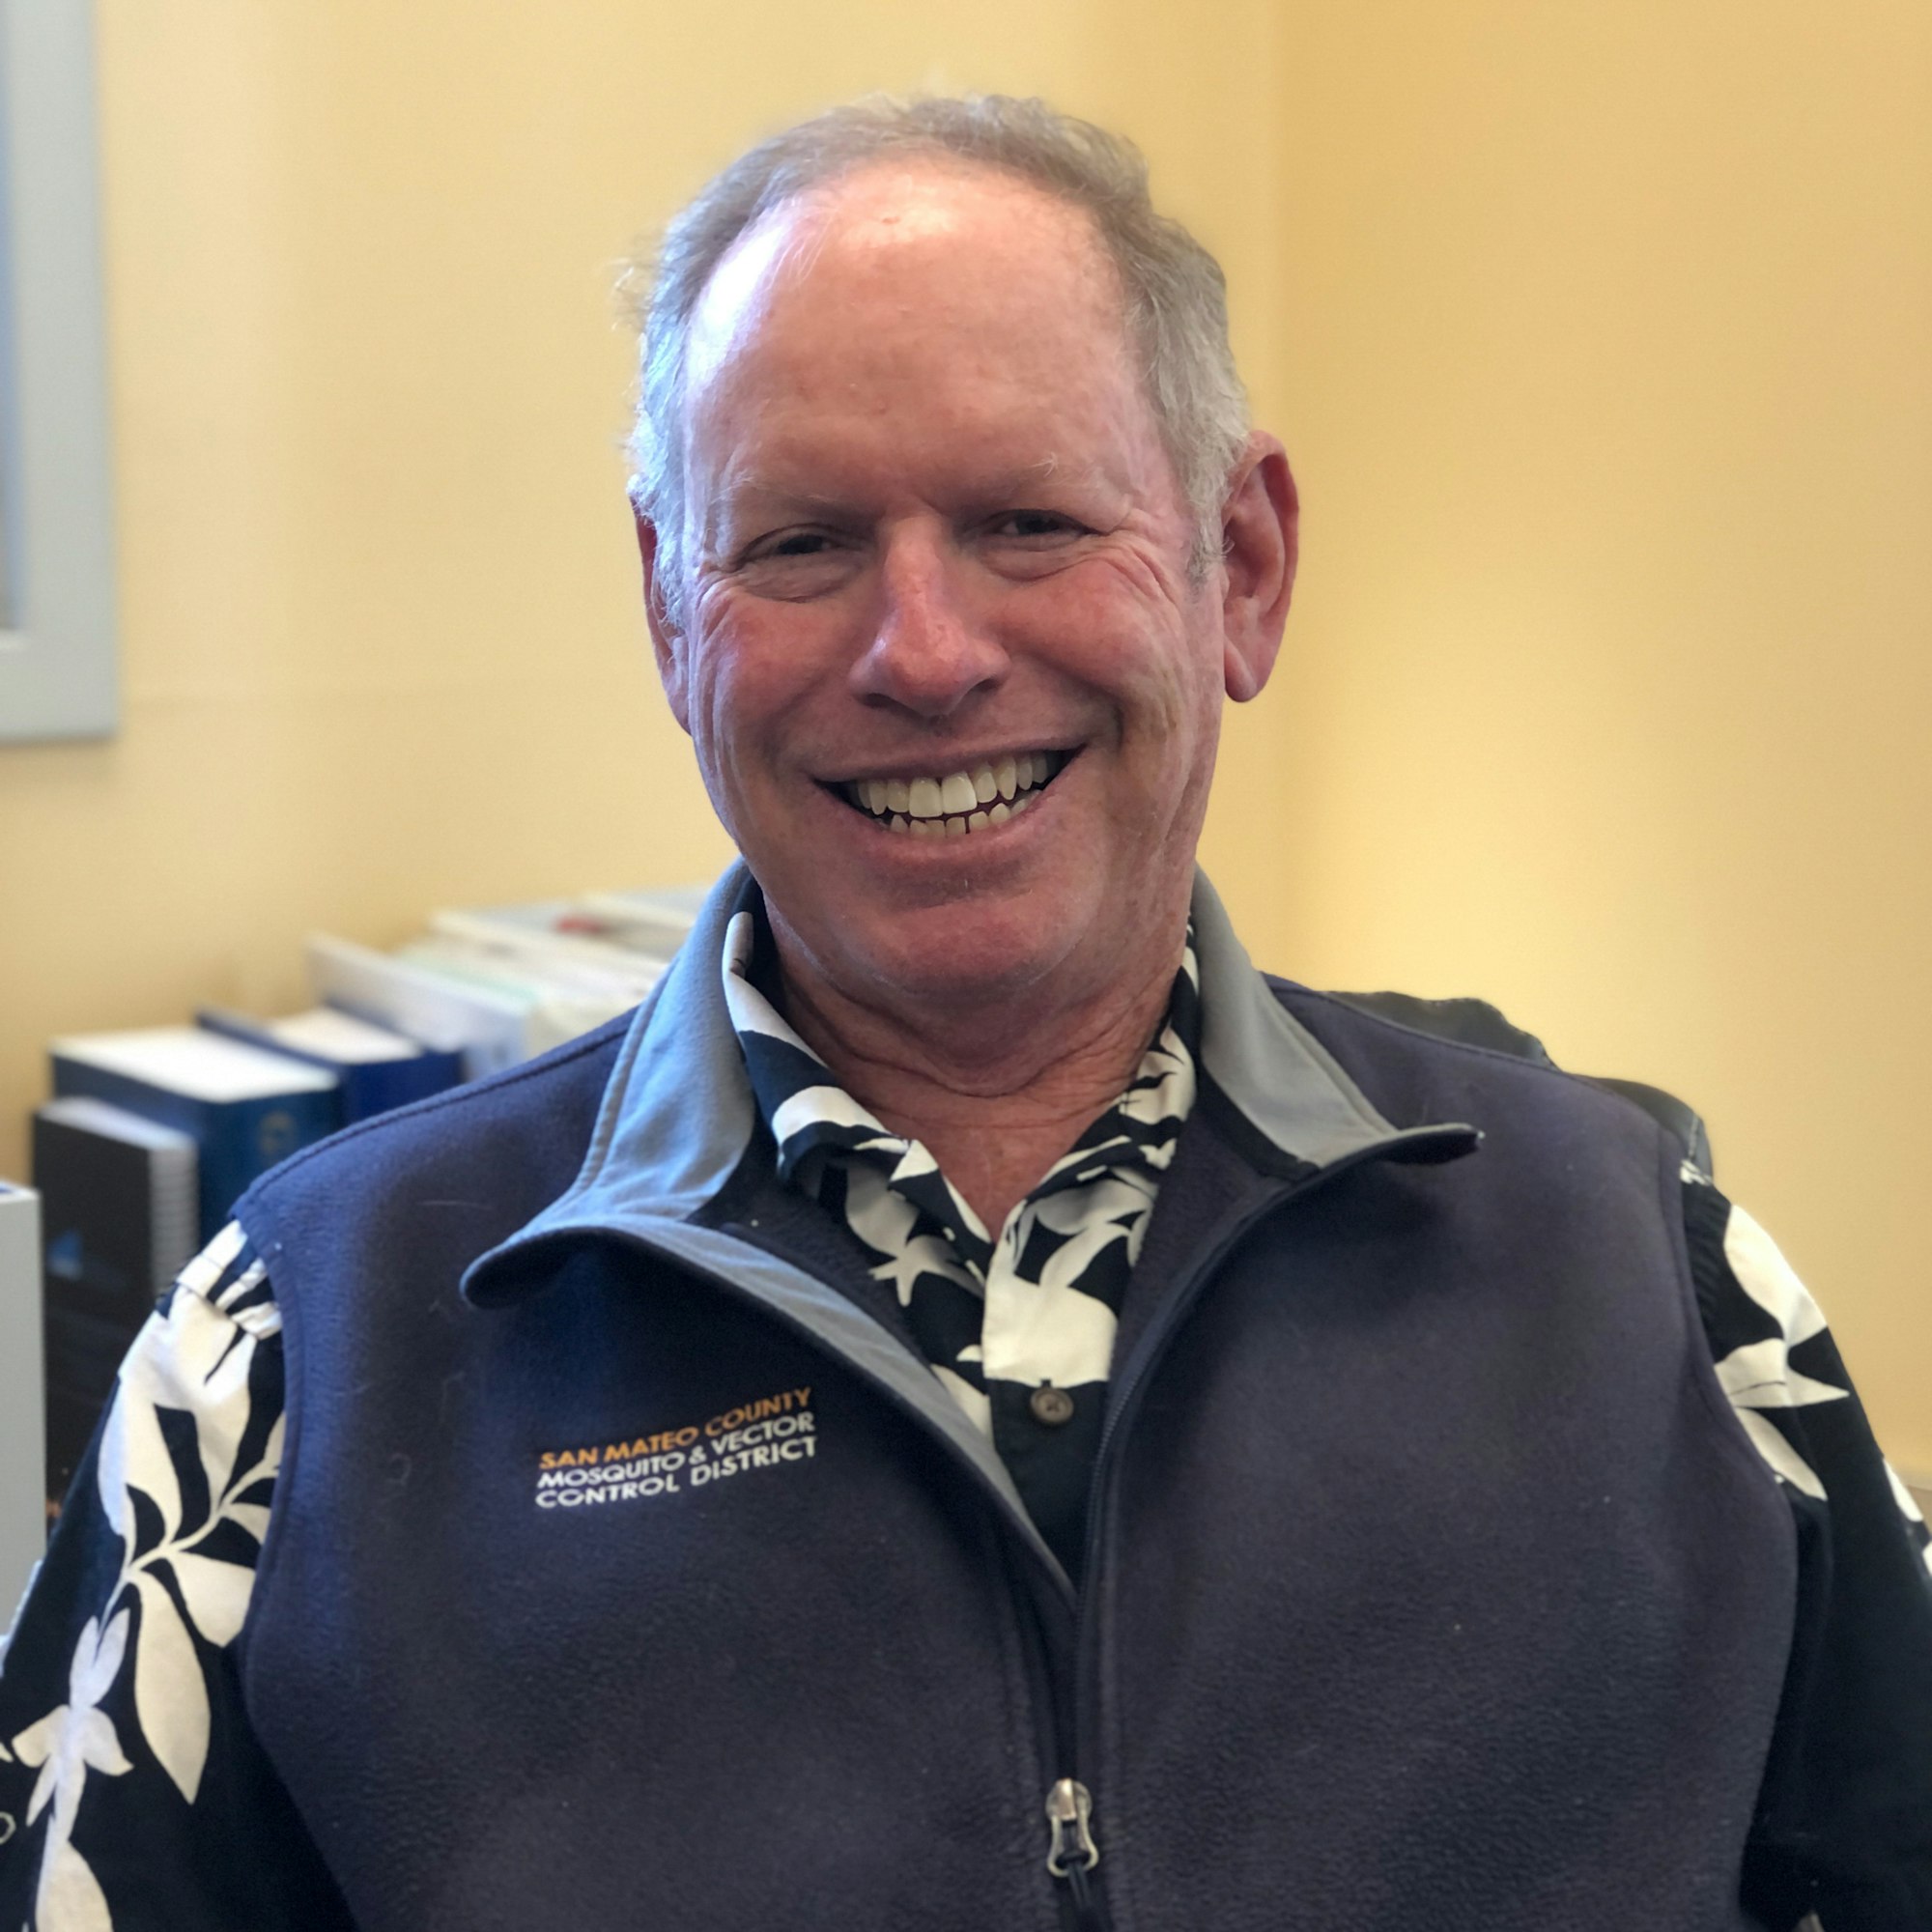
[1071,1853]
[1069,1792]
[1072,1850]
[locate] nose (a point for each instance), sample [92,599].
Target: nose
[931,650]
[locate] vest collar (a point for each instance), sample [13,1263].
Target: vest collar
[678,1113]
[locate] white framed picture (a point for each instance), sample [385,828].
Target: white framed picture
[57,598]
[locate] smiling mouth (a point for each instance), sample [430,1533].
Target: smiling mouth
[961,802]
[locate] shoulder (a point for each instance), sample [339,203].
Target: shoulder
[1418,1056]
[517,1136]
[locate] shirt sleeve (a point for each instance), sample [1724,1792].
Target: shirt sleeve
[1842,1838]
[131,1788]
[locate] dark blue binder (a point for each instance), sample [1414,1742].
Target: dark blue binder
[376,1067]
[246,1109]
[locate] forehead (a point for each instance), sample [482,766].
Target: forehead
[929,294]
[894,237]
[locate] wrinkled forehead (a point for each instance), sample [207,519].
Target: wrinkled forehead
[913,244]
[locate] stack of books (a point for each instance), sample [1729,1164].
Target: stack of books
[152,1135]
[497,984]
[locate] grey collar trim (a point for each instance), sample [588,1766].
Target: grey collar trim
[1282,1080]
[679,1112]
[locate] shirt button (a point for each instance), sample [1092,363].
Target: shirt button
[1051,1406]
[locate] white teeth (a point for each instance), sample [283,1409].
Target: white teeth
[954,825]
[960,802]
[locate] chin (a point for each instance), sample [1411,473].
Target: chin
[962,952]
[938,961]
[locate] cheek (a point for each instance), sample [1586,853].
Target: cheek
[1137,651]
[747,677]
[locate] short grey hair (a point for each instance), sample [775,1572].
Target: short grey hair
[1175,295]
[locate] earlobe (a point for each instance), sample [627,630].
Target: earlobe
[1260,533]
[666,639]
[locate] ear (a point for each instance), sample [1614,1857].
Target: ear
[668,641]
[1259,538]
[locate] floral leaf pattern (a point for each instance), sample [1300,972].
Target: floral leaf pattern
[1037,1303]
[70,1899]
[997,1318]
[1773,1354]
[179,1448]
[68,1742]
[168,1692]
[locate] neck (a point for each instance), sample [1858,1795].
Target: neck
[996,1093]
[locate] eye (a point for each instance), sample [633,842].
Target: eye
[793,565]
[785,544]
[1034,526]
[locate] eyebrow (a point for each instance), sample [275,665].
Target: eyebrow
[761,498]
[768,496]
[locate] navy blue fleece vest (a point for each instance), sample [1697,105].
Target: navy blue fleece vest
[1430,1584]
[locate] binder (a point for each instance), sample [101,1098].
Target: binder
[245,1108]
[376,1067]
[499,983]
[485,1027]
[119,1218]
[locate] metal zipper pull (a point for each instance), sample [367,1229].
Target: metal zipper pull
[1071,1853]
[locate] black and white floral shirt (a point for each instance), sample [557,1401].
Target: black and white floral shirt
[128,1767]
[1019,1326]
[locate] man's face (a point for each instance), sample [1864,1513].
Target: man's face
[936,551]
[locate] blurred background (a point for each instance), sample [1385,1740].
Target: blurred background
[1598,337]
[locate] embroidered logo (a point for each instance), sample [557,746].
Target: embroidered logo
[762,1435]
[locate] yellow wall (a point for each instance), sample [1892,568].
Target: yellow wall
[1609,333]
[1599,337]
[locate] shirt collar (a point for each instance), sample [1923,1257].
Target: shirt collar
[810,1114]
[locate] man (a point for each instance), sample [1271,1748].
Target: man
[976,1409]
